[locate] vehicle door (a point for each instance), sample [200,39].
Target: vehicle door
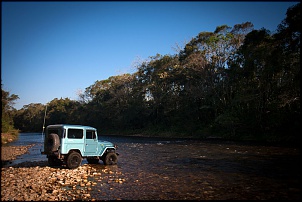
[91,143]
[74,140]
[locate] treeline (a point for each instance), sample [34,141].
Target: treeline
[235,82]
[7,122]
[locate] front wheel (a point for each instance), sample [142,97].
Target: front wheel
[74,160]
[110,159]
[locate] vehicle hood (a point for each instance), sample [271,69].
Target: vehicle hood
[106,144]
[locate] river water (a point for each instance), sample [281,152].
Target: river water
[187,169]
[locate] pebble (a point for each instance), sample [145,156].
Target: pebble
[36,181]
[45,183]
[9,153]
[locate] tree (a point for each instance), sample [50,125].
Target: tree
[8,100]
[236,81]
[64,111]
[288,38]
[250,76]
[30,118]
[265,79]
[206,61]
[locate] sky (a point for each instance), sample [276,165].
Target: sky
[57,49]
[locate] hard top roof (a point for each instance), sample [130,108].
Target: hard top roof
[70,126]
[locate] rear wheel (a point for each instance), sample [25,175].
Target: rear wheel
[74,160]
[110,159]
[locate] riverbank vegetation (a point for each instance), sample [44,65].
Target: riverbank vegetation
[8,132]
[235,82]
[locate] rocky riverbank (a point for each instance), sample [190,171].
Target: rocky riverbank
[37,181]
[9,153]
[43,183]
[155,169]
[9,137]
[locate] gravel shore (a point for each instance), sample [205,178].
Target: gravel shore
[9,153]
[37,181]
[157,170]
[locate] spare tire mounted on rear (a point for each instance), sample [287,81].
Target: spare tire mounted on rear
[53,142]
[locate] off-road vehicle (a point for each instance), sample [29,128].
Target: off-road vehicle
[69,144]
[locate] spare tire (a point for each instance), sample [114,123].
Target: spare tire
[53,142]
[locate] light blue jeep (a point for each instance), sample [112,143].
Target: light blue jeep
[69,144]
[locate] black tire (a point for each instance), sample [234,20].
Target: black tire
[74,160]
[110,159]
[53,142]
[93,160]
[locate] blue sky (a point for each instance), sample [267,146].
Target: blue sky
[57,49]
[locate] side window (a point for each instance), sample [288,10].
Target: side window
[90,134]
[75,133]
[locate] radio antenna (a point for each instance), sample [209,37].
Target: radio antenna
[44,123]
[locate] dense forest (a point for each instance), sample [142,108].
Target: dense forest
[235,83]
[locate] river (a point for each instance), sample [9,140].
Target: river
[187,169]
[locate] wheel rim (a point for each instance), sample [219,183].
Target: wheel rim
[75,161]
[111,160]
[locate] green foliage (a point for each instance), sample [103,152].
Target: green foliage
[7,124]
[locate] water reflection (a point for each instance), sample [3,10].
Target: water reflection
[186,169]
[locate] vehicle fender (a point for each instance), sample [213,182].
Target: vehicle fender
[75,150]
[105,149]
